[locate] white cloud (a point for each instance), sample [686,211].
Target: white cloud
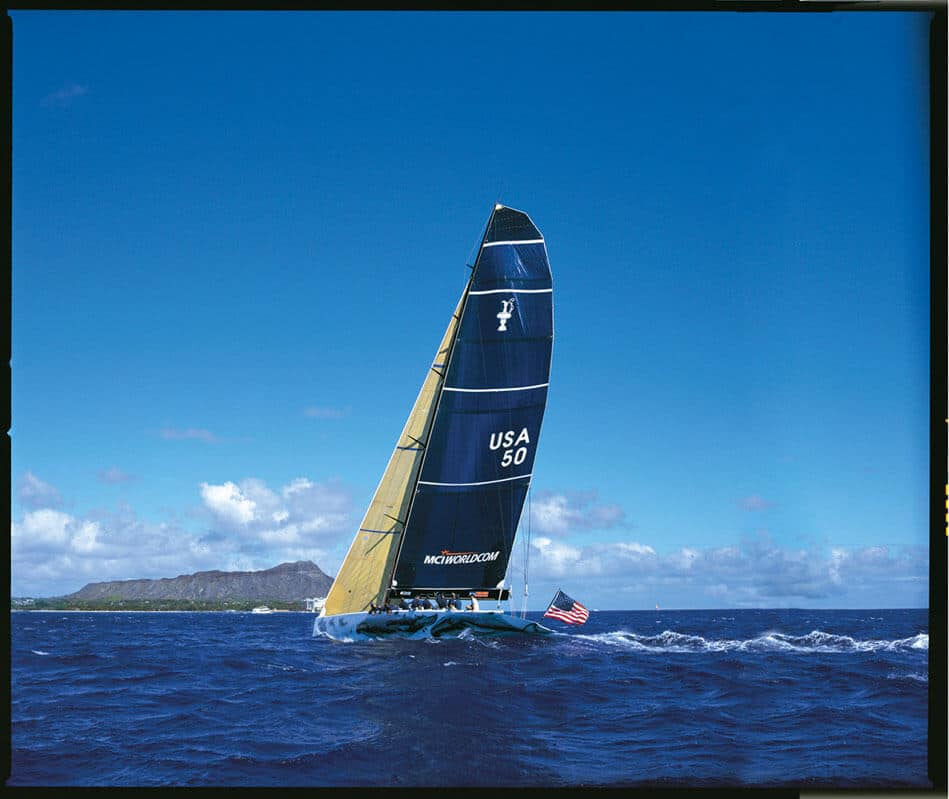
[684,558]
[757,573]
[570,511]
[228,503]
[86,538]
[56,553]
[43,527]
[635,550]
[551,515]
[34,493]
[556,559]
[298,486]
[247,525]
[298,516]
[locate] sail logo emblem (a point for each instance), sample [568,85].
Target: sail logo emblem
[447,558]
[506,307]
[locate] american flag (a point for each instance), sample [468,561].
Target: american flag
[567,609]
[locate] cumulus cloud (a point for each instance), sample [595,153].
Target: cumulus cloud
[53,552]
[228,503]
[44,527]
[557,559]
[114,475]
[571,511]
[757,572]
[34,493]
[246,526]
[189,433]
[299,515]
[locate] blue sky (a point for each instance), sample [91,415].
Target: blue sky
[238,237]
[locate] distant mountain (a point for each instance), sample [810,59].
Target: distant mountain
[288,582]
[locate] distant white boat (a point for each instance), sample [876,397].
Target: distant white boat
[262,609]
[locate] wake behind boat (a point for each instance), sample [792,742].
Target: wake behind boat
[444,516]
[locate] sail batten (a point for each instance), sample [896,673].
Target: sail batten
[482,483]
[490,390]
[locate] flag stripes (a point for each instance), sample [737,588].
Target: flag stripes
[567,609]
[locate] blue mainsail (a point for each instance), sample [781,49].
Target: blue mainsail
[479,457]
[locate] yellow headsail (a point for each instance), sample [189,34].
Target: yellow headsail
[363,577]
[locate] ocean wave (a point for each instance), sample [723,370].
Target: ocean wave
[814,641]
[913,676]
[326,636]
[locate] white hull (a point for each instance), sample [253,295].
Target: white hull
[415,624]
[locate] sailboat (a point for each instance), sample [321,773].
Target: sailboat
[443,519]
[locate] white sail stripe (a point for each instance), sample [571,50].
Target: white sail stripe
[518,241]
[485,483]
[483,390]
[510,291]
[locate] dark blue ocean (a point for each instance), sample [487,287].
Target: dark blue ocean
[796,698]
